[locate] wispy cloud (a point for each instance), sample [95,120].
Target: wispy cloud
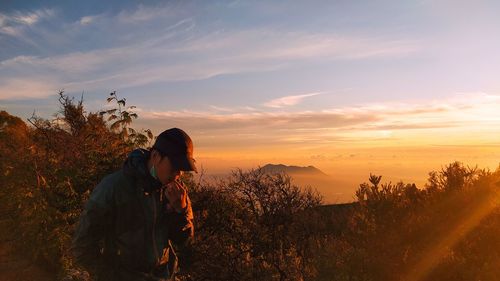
[19,88]
[28,18]
[144,13]
[289,100]
[163,44]
[383,121]
[233,109]
[15,23]
[86,20]
[144,62]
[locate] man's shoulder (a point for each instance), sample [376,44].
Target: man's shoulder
[111,181]
[111,184]
[115,177]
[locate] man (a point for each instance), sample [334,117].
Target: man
[134,214]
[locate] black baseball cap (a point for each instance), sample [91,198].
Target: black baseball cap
[178,147]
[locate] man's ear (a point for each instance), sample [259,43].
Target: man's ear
[155,156]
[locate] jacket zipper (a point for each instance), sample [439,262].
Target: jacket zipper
[155,249]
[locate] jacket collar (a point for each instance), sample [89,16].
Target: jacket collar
[136,167]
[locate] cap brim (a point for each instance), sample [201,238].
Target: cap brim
[185,164]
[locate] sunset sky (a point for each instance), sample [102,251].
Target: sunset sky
[397,88]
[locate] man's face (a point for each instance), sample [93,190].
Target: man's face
[164,169]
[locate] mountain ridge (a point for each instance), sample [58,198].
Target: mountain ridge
[293,170]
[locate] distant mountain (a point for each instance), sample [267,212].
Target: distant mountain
[293,170]
[332,189]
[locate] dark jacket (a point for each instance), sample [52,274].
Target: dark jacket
[126,227]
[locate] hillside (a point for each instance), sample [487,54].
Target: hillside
[293,170]
[333,190]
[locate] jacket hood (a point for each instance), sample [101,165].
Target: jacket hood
[136,167]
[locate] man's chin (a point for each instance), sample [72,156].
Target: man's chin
[168,181]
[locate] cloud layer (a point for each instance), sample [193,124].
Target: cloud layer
[390,122]
[15,23]
[156,48]
[289,100]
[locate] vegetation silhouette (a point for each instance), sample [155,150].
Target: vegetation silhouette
[255,224]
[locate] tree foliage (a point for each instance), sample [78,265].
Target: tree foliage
[49,170]
[399,232]
[252,226]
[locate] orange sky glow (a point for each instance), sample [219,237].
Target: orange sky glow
[402,142]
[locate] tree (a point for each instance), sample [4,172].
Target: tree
[252,226]
[50,169]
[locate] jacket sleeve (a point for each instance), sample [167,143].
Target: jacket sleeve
[181,228]
[89,237]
